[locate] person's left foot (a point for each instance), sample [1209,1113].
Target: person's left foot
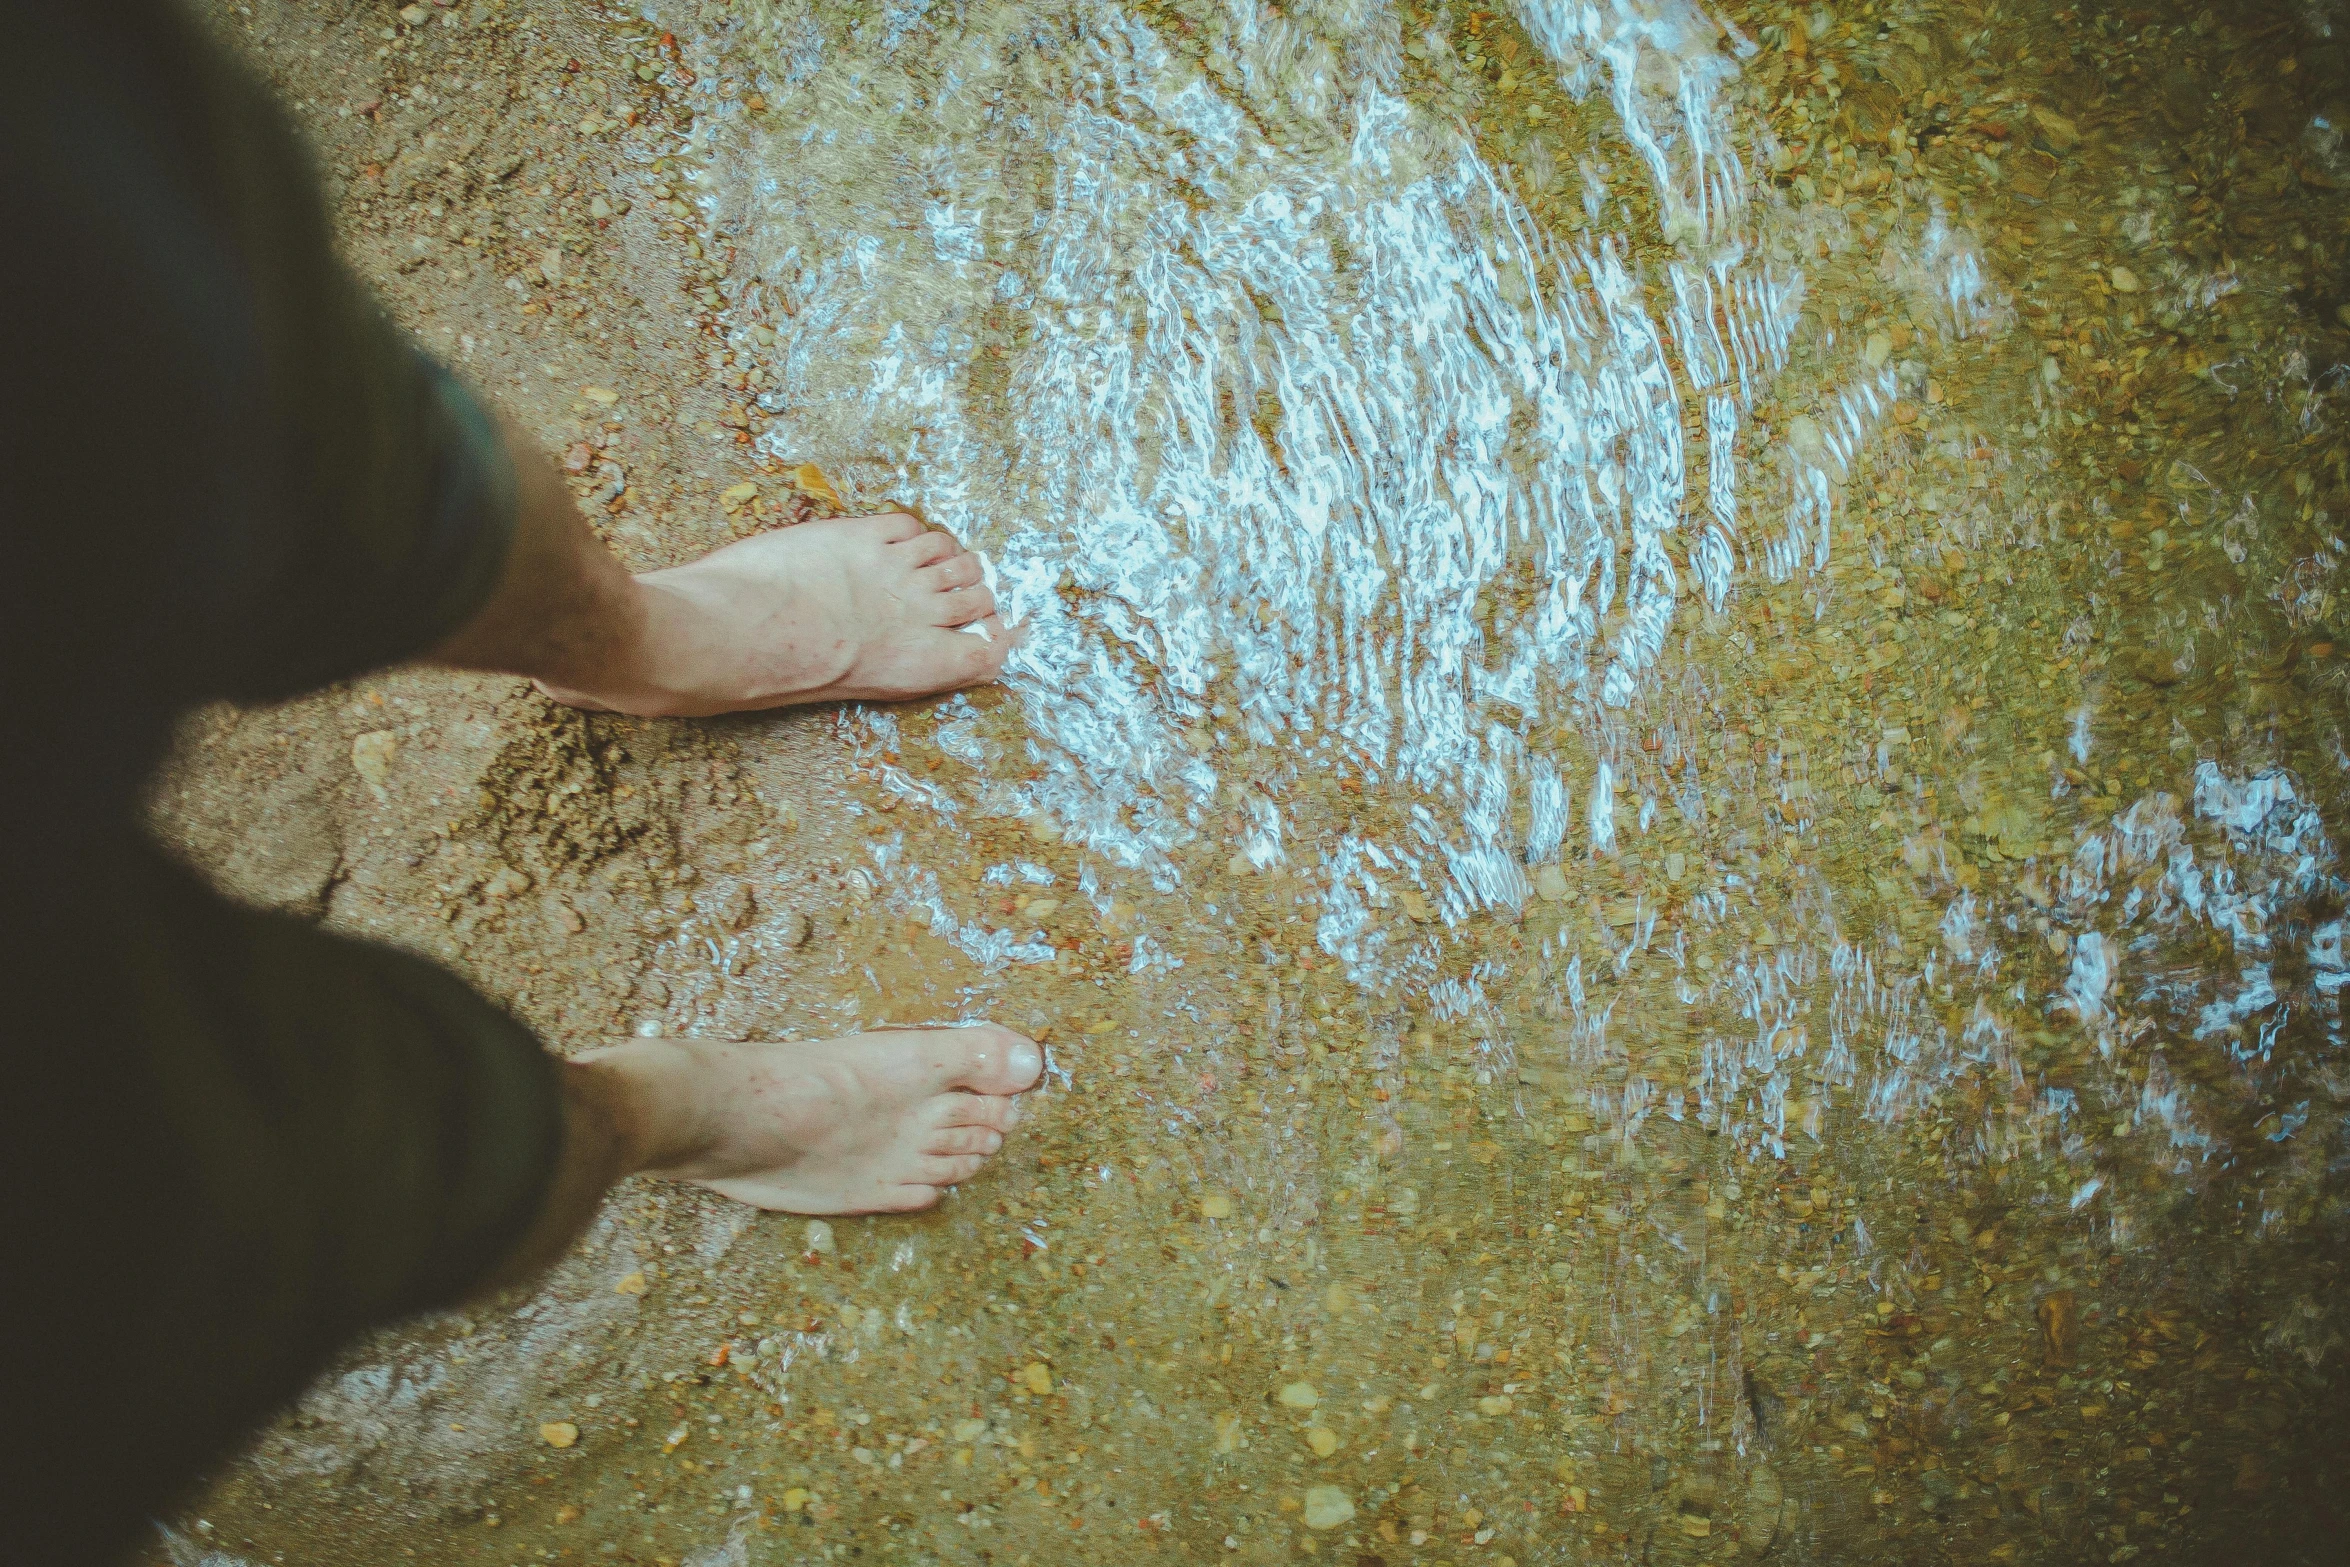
[870,608]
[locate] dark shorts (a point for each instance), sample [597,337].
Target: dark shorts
[233,1139]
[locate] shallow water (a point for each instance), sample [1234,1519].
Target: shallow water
[1668,803]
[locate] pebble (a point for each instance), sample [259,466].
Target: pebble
[559,1433]
[812,482]
[2062,133]
[1300,1395]
[1327,1507]
[1037,1377]
[1877,350]
[505,882]
[819,1237]
[372,755]
[1215,1205]
[2060,1326]
[1324,1442]
[2124,281]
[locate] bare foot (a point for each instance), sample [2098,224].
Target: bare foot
[873,1123]
[865,608]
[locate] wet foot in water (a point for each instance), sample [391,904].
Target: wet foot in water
[873,1123]
[866,608]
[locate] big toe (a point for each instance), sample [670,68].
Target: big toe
[988,1058]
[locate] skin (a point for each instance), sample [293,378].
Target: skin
[857,608]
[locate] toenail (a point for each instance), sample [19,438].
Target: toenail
[994,1141]
[1025,1060]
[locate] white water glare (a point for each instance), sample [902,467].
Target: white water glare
[1290,430]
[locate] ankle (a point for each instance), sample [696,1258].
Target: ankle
[646,1094]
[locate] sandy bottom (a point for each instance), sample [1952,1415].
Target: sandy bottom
[1282,1267]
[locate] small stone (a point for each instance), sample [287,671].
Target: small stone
[1215,1205]
[2124,281]
[1551,882]
[819,1236]
[629,1284]
[599,208]
[1327,1507]
[602,396]
[1037,1377]
[1300,1395]
[1043,908]
[1676,865]
[1414,905]
[1877,350]
[372,755]
[736,497]
[812,483]
[415,15]
[2060,1327]
[1496,1404]
[505,882]
[559,1433]
[1323,1442]
[2062,134]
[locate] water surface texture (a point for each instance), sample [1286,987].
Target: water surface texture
[1669,801]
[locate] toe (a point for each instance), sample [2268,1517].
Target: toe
[993,1111]
[952,1170]
[981,1140]
[953,571]
[988,1058]
[958,607]
[930,547]
[896,527]
[974,660]
[908,1199]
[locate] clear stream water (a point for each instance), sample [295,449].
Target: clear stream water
[1670,798]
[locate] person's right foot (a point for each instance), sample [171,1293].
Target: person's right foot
[868,608]
[871,1123]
